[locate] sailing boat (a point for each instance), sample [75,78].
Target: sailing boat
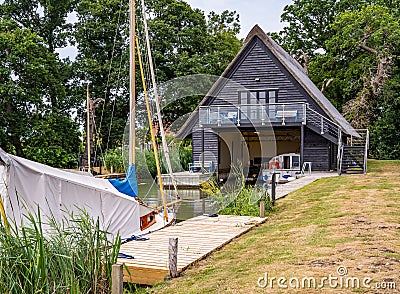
[26,185]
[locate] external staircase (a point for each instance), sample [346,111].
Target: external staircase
[352,154]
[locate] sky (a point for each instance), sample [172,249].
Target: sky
[265,13]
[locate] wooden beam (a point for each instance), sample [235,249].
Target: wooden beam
[144,275]
[173,257]
[117,279]
[302,145]
[262,209]
[170,203]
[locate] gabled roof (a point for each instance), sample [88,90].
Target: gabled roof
[292,66]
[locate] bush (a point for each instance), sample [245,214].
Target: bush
[114,161]
[248,201]
[236,198]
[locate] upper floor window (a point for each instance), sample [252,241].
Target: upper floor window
[264,96]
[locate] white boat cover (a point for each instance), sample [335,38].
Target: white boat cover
[25,185]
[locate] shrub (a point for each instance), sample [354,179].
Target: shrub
[114,161]
[236,198]
[248,201]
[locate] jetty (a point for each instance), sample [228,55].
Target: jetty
[197,238]
[186,180]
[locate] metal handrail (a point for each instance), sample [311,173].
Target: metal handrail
[317,113]
[213,114]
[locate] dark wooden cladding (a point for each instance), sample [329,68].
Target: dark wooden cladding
[258,62]
[205,141]
[197,143]
[316,150]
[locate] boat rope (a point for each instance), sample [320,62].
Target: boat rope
[113,105]
[152,134]
[133,238]
[98,144]
[125,256]
[3,215]
[109,74]
[157,102]
[151,187]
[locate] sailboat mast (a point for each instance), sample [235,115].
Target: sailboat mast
[88,133]
[132,92]
[156,98]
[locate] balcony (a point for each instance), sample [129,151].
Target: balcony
[254,114]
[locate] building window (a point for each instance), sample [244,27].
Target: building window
[264,96]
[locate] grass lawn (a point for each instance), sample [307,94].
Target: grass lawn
[351,221]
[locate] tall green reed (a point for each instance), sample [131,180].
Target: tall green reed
[71,255]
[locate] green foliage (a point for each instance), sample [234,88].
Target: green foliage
[248,201]
[235,198]
[356,44]
[185,155]
[245,201]
[180,157]
[114,161]
[35,109]
[70,256]
[385,133]
[53,141]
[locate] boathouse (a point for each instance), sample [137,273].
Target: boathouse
[264,105]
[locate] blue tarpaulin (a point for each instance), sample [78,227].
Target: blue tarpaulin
[129,185]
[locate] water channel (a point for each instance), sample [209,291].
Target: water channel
[194,201]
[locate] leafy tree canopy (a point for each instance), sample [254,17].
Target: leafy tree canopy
[39,91]
[29,75]
[350,50]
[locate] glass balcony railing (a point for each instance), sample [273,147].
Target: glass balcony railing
[255,114]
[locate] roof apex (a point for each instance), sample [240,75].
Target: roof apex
[255,31]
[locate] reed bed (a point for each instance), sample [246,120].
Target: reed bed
[73,255]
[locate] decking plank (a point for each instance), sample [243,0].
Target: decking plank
[197,238]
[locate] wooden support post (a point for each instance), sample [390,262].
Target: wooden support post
[173,257]
[262,209]
[301,145]
[273,188]
[117,279]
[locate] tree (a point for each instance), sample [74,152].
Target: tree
[351,49]
[366,40]
[183,42]
[309,23]
[28,76]
[101,35]
[47,18]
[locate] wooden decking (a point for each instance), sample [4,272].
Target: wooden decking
[197,238]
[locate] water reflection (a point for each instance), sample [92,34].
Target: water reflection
[194,201]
